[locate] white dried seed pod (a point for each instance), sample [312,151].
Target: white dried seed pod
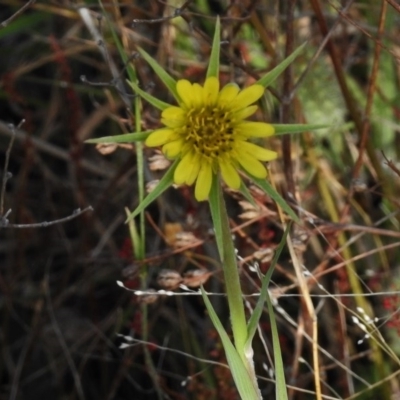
[169,279]
[106,148]
[359,185]
[264,255]
[300,239]
[196,277]
[183,239]
[158,162]
[148,297]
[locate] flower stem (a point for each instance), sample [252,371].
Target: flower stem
[231,274]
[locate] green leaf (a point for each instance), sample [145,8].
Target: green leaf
[268,78]
[131,71]
[161,105]
[246,194]
[284,129]
[280,382]
[167,79]
[213,65]
[243,381]
[125,138]
[166,181]
[271,192]
[255,316]
[280,388]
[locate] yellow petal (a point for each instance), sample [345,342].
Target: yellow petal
[172,149]
[247,96]
[197,95]
[173,123]
[184,89]
[183,169]
[252,165]
[173,112]
[211,89]
[256,151]
[159,137]
[228,94]
[254,129]
[193,170]
[245,113]
[229,174]
[203,183]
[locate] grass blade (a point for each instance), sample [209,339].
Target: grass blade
[280,384]
[281,393]
[268,78]
[255,316]
[125,138]
[161,105]
[213,65]
[285,129]
[271,192]
[167,79]
[166,181]
[240,375]
[246,194]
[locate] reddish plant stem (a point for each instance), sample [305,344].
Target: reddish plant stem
[351,106]
[370,94]
[395,5]
[74,115]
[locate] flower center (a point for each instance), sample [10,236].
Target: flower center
[210,131]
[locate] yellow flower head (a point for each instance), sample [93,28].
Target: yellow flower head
[209,134]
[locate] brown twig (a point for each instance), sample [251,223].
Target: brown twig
[55,151]
[321,46]
[395,5]
[16,14]
[370,95]
[391,165]
[45,224]
[348,97]
[6,174]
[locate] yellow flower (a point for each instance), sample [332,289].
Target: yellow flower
[209,134]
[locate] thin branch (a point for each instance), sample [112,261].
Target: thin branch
[5,224]
[365,132]
[48,148]
[61,339]
[6,174]
[177,13]
[321,46]
[17,14]
[394,5]
[390,164]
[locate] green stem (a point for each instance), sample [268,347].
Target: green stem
[141,250]
[231,274]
